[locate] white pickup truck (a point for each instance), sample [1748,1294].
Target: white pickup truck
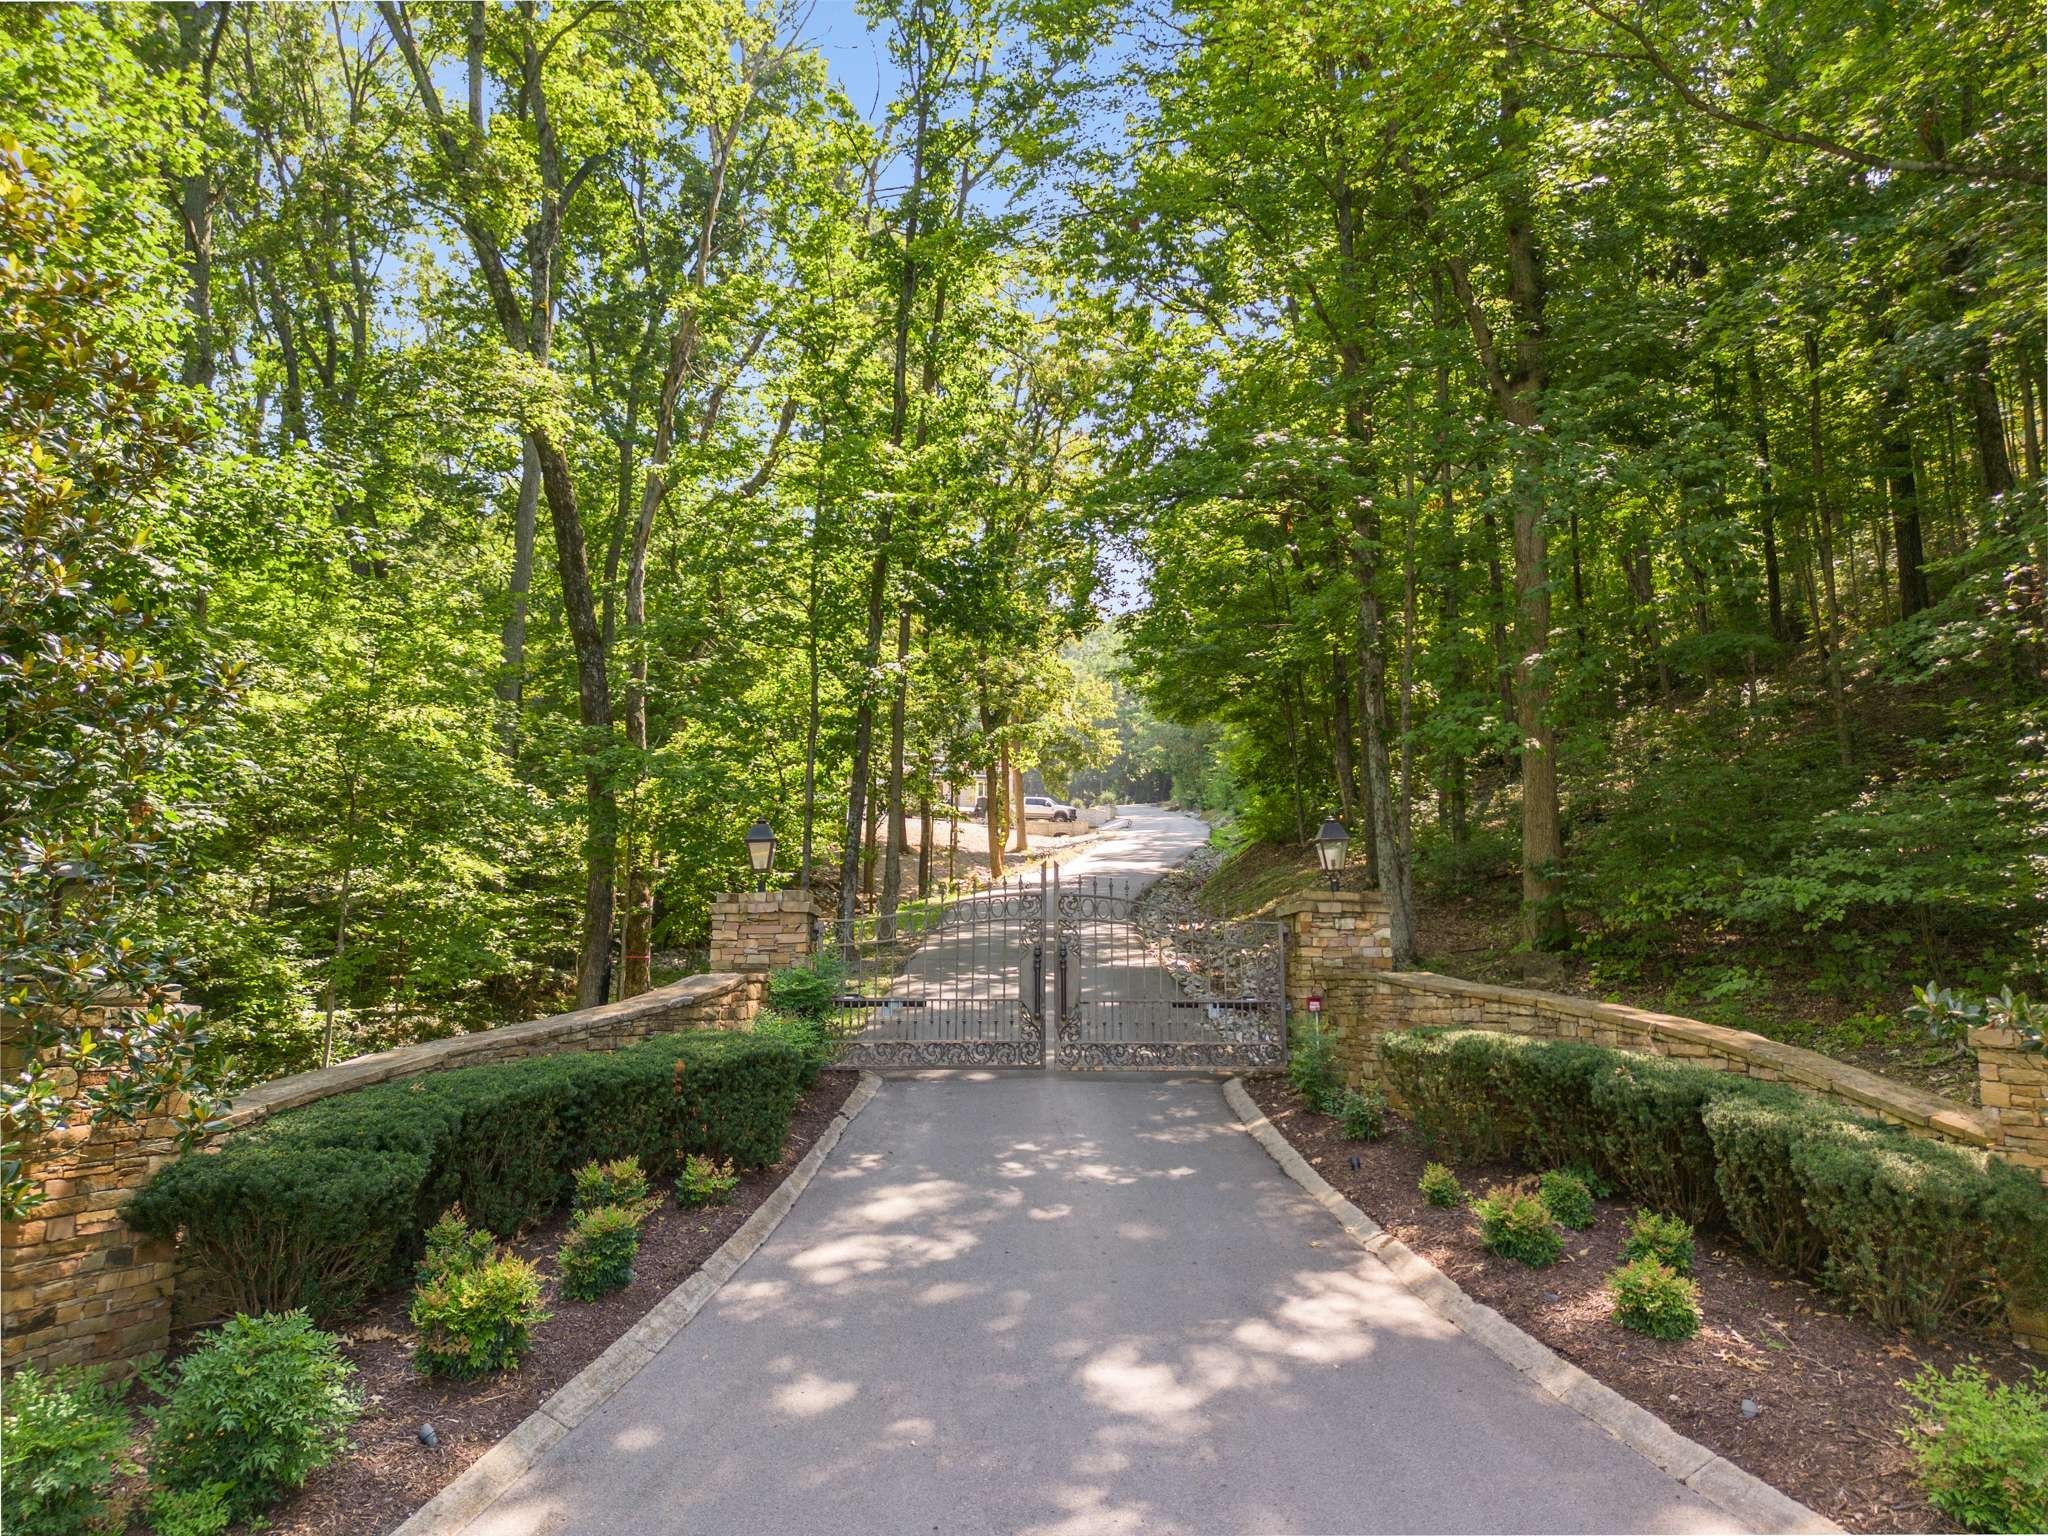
[1045,808]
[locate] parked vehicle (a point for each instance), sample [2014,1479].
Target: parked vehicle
[1045,808]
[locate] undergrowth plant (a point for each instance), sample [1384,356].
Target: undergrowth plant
[63,1445]
[1982,1447]
[1312,1063]
[255,1410]
[1515,1223]
[1568,1200]
[453,1247]
[705,1182]
[1664,1239]
[476,1321]
[1655,1299]
[1440,1186]
[597,1256]
[618,1182]
[1362,1116]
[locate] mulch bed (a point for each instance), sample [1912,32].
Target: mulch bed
[390,1473]
[1824,1401]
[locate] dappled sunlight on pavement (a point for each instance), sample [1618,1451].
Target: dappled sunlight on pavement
[1074,1306]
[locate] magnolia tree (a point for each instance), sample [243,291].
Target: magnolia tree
[103,691]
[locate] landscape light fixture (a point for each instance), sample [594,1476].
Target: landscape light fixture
[761,851]
[1331,841]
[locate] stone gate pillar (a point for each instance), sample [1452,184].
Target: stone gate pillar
[756,932]
[1337,941]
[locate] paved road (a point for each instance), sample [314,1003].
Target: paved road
[1047,1304]
[970,981]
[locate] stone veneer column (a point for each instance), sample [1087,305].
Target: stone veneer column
[1337,941]
[760,931]
[2012,1085]
[79,1287]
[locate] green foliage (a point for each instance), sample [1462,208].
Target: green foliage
[1363,1116]
[807,991]
[1982,1447]
[805,1034]
[1312,1063]
[1655,1299]
[1666,1240]
[618,1182]
[1950,1016]
[1918,1234]
[1567,1198]
[1912,1233]
[705,1181]
[1440,1186]
[475,1321]
[453,1248]
[63,1443]
[1515,1223]
[597,1256]
[190,1512]
[102,686]
[260,1405]
[1652,1139]
[322,1205]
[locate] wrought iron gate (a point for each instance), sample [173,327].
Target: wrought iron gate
[953,984]
[971,983]
[1134,988]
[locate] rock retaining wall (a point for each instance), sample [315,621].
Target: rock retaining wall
[80,1288]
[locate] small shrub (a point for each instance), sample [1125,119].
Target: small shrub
[1363,1116]
[1567,1199]
[1664,1239]
[1440,1186]
[1312,1064]
[63,1442]
[618,1182]
[453,1248]
[807,991]
[705,1182]
[1983,1448]
[1655,1299]
[190,1512]
[597,1256]
[477,1321]
[1514,1223]
[261,1405]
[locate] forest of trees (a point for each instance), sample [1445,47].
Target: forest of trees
[463,462]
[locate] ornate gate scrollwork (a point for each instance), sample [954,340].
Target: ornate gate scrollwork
[1135,989]
[971,983]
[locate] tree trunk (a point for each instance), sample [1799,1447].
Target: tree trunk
[1767,498]
[1823,522]
[892,870]
[1023,817]
[512,641]
[1903,490]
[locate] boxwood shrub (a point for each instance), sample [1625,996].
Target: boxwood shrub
[1910,1232]
[320,1206]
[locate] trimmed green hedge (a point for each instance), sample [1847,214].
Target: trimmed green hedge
[1910,1232]
[322,1205]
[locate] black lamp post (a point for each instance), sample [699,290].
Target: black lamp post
[761,851]
[1331,841]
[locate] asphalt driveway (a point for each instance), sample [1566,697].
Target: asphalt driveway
[1035,1303]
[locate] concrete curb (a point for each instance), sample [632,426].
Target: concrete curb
[455,1506]
[1748,1499]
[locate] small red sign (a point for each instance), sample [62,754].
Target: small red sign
[1315,1002]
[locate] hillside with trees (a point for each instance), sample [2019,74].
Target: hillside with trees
[466,462]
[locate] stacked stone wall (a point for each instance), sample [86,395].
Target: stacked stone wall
[80,1288]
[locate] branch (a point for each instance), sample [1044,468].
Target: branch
[1690,94]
